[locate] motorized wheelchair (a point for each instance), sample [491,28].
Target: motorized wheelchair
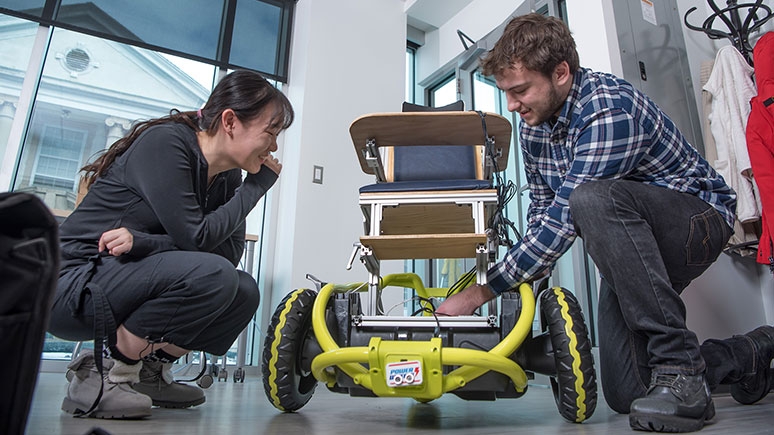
[438,195]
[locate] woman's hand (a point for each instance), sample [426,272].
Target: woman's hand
[273,163]
[116,242]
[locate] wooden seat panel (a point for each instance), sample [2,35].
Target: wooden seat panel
[424,246]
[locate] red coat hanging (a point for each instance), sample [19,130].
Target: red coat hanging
[760,142]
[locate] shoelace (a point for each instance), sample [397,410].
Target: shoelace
[666,380]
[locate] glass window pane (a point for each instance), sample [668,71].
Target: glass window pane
[16,40]
[200,72]
[410,74]
[187,26]
[256,36]
[32,7]
[55,348]
[58,157]
[485,95]
[81,107]
[445,93]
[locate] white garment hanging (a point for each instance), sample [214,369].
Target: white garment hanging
[732,86]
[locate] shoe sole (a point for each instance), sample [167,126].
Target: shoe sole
[748,397]
[178,405]
[669,423]
[650,423]
[76,409]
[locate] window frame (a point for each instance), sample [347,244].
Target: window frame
[222,60]
[49,131]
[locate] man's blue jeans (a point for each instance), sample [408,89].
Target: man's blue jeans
[649,243]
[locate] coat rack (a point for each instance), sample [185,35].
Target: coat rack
[738,30]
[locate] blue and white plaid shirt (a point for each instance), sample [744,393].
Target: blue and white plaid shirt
[607,129]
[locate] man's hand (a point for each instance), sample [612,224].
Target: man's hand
[117,242]
[465,302]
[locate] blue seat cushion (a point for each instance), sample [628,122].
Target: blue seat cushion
[434,162]
[427,185]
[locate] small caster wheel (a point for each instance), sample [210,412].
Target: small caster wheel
[223,375]
[239,375]
[205,381]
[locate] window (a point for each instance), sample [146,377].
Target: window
[252,34]
[555,8]
[444,93]
[80,111]
[411,77]
[70,88]
[561,6]
[80,108]
[263,41]
[59,157]
[32,7]
[190,26]
[17,38]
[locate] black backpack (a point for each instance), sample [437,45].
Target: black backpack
[29,267]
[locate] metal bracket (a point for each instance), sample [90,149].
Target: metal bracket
[491,154]
[355,248]
[374,160]
[318,283]
[369,260]
[482,263]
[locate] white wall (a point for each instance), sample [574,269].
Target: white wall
[593,27]
[733,296]
[347,60]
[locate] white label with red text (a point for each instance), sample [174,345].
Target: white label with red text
[404,373]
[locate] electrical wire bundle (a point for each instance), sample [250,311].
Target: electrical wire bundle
[506,190]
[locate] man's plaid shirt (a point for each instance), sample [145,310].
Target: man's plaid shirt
[607,129]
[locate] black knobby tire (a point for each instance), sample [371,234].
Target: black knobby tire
[575,384]
[287,385]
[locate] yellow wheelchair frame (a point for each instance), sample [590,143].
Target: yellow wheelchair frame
[433,355]
[368,351]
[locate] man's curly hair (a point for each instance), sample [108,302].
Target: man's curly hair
[537,42]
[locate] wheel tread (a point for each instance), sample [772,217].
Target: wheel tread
[575,387]
[285,388]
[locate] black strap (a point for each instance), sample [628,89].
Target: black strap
[768,102]
[104,323]
[488,142]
